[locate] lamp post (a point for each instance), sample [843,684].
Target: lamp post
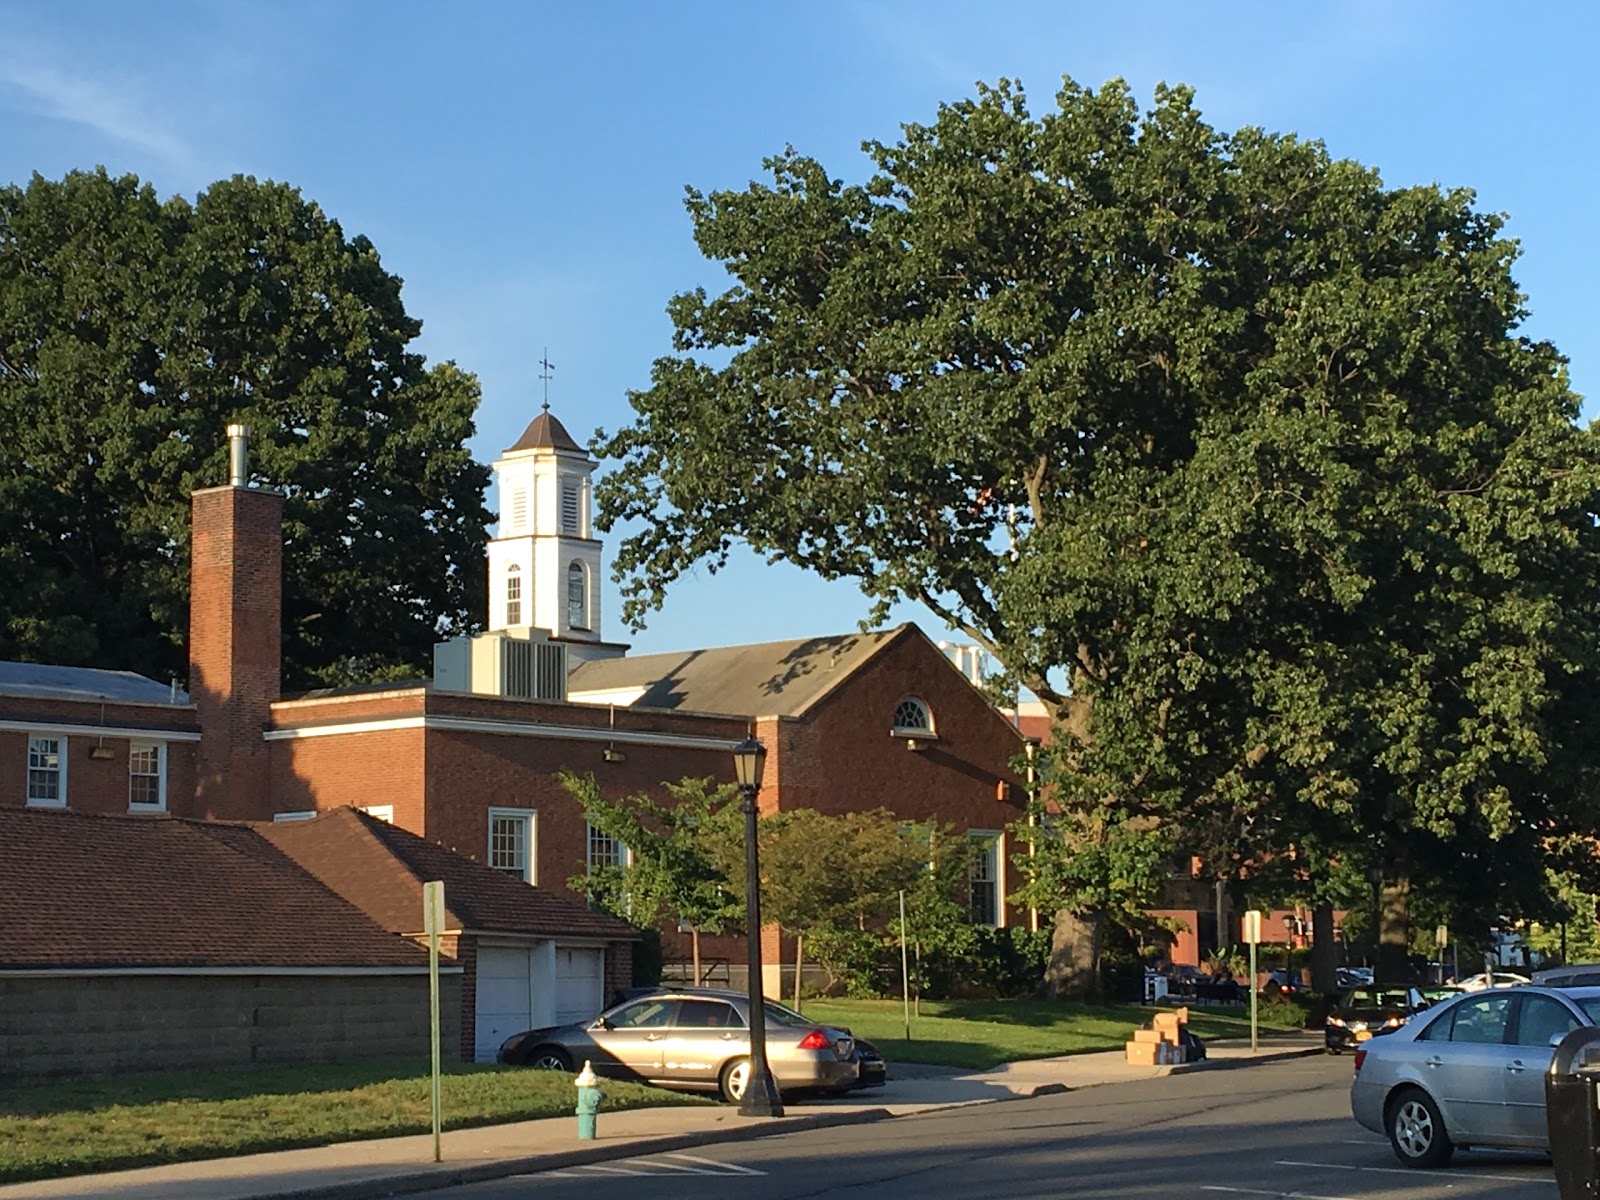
[760,1097]
[1289,924]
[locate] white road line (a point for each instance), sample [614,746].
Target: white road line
[1413,1171]
[711,1162]
[667,1166]
[1360,1142]
[605,1170]
[1281,1195]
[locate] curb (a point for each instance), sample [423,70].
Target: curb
[1228,1064]
[446,1177]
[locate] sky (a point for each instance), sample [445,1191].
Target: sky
[522,165]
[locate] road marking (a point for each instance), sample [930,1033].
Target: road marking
[667,1166]
[605,1170]
[1281,1195]
[1290,1162]
[711,1162]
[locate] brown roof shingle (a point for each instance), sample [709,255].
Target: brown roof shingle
[380,868]
[81,891]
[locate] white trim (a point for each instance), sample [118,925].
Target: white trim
[447,724]
[299,814]
[66,729]
[85,972]
[63,754]
[161,775]
[530,826]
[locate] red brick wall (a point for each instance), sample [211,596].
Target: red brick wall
[355,769]
[235,638]
[95,785]
[619,969]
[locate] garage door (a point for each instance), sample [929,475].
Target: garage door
[580,983]
[505,998]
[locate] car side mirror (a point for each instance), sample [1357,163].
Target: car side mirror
[602,1023]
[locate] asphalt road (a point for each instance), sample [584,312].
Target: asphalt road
[1277,1129]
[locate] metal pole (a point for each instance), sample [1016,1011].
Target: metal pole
[905,969]
[760,1092]
[1252,997]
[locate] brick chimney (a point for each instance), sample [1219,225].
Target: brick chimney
[235,637]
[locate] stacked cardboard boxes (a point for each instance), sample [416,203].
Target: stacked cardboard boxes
[1162,1043]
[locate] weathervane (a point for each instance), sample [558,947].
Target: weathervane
[545,375]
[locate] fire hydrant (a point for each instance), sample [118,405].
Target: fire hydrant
[589,1097]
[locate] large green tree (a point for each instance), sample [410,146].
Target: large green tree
[1230,453]
[132,331]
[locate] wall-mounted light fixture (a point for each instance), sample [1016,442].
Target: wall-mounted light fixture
[612,754]
[101,751]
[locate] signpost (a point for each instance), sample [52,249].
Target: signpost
[1441,938]
[433,925]
[1252,935]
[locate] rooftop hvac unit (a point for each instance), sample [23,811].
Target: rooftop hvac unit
[502,664]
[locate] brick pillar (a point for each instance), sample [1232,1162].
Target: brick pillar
[235,643]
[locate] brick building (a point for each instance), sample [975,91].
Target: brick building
[468,758]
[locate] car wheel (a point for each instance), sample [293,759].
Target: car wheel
[1416,1130]
[1335,1051]
[550,1058]
[735,1078]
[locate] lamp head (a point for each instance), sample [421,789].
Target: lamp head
[749,756]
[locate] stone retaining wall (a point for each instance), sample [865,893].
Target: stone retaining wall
[59,1026]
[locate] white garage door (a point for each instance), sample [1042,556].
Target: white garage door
[505,998]
[580,983]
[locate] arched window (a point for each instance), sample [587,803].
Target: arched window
[911,716]
[577,596]
[513,595]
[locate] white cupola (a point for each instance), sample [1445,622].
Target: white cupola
[544,561]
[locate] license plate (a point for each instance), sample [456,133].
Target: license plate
[1363,1035]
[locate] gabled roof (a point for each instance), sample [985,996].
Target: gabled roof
[104,892]
[84,683]
[545,432]
[380,868]
[769,679]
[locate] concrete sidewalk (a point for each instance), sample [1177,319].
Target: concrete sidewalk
[398,1166]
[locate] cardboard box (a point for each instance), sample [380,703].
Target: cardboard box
[1142,1054]
[1153,1036]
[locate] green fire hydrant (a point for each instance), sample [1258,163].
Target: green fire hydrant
[589,1097]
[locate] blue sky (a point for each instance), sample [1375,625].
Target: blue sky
[522,165]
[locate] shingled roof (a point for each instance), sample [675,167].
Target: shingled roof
[769,679]
[380,868]
[81,891]
[545,432]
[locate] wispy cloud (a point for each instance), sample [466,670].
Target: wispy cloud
[108,109]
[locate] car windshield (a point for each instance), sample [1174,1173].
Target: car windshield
[1591,1005]
[1376,998]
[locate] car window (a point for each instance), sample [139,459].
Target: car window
[777,1013]
[644,1014]
[708,1014]
[1479,1020]
[1541,1019]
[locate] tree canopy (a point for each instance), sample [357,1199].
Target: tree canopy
[132,331]
[1230,453]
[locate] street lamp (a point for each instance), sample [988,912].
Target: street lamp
[760,1097]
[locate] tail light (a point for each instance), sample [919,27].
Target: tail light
[815,1040]
[1361,1057]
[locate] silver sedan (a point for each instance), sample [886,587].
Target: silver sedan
[1468,1072]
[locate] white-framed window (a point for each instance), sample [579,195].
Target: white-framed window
[147,776]
[513,595]
[605,851]
[984,883]
[47,771]
[912,716]
[301,815]
[383,812]
[577,596]
[571,507]
[511,842]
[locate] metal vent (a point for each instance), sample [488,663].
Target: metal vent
[532,670]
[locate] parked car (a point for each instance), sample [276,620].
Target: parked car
[1444,991]
[1576,975]
[1496,979]
[1469,1071]
[696,1039]
[872,1071]
[1349,977]
[1363,1013]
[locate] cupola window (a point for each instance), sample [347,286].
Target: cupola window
[577,596]
[514,595]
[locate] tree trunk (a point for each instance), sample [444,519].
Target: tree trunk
[1394,932]
[694,942]
[799,962]
[1074,969]
[1324,952]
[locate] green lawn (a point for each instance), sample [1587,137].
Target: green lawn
[978,1034]
[135,1121]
